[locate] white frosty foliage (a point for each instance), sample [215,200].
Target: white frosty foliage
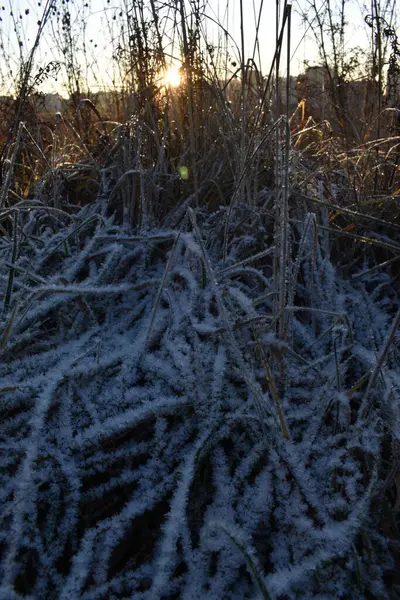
[141,451]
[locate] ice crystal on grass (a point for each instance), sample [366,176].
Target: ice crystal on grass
[141,448]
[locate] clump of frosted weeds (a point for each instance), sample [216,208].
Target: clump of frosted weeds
[158,440]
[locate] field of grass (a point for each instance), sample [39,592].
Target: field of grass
[200,355]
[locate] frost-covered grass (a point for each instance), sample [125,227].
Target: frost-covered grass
[158,440]
[199,373]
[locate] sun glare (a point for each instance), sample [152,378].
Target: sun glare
[172,77]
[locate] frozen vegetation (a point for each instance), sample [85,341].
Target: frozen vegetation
[159,440]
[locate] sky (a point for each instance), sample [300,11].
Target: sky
[93,22]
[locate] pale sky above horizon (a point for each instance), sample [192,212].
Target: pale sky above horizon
[100,28]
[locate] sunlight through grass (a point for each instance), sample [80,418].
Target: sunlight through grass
[172,76]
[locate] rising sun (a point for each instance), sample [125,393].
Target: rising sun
[172,77]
